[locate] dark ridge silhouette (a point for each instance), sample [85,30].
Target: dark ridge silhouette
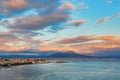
[48,54]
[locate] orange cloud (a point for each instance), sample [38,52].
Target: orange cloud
[67,6]
[83,44]
[77,39]
[13,48]
[10,42]
[16,4]
[80,44]
[77,22]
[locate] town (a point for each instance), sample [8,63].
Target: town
[14,62]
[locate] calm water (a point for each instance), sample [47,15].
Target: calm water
[81,70]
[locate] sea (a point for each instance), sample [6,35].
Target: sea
[73,70]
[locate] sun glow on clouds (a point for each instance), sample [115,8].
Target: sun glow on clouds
[83,44]
[59,25]
[16,4]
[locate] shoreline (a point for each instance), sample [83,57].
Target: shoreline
[17,62]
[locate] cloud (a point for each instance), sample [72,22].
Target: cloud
[103,20]
[84,45]
[37,22]
[67,6]
[112,1]
[18,6]
[49,15]
[77,22]
[16,17]
[8,37]
[11,42]
[89,39]
[116,16]
[91,45]
[11,6]
[13,48]
[77,39]
[82,6]
[107,19]
[109,1]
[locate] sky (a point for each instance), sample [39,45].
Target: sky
[88,27]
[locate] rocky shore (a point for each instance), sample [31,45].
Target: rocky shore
[15,62]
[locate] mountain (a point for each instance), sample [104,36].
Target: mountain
[48,54]
[66,55]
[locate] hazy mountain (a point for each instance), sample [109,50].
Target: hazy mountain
[48,54]
[66,55]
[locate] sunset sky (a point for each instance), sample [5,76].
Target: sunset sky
[89,27]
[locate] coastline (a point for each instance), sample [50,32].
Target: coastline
[17,62]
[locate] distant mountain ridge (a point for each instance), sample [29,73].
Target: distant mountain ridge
[66,55]
[48,54]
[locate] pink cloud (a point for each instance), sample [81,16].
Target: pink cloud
[67,6]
